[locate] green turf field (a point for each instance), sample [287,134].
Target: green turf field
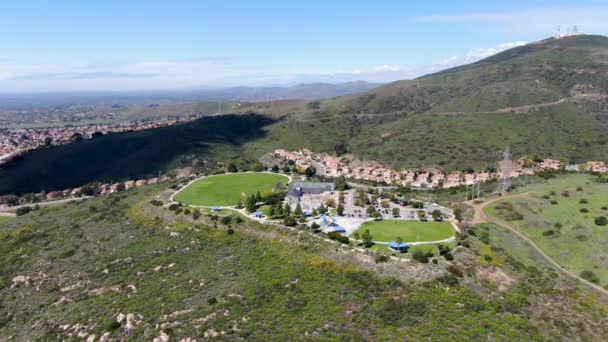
[564,230]
[5,218]
[409,231]
[225,190]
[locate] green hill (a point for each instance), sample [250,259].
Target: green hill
[546,98]
[120,266]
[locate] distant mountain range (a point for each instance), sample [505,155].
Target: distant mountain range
[242,93]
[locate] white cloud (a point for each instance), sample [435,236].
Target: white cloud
[151,75]
[386,67]
[481,53]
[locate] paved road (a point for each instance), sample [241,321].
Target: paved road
[42,204]
[481,217]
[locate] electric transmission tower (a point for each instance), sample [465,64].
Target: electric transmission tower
[505,171]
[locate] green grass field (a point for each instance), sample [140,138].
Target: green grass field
[409,231]
[5,218]
[564,230]
[225,190]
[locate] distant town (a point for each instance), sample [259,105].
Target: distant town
[16,142]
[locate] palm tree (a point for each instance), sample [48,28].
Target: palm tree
[399,241]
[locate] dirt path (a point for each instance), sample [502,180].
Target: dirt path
[481,217]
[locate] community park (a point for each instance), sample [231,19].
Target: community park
[222,192]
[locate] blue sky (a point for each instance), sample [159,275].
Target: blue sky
[133,45]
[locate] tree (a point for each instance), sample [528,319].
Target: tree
[366,237]
[422,215]
[396,212]
[436,215]
[385,204]
[399,241]
[258,197]
[340,148]
[232,167]
[310,171]
[370,210]
[287,209]
[250,204]
[47,141]
[341,197]
[275,168]
[279,212]
[356,236]
[340,183]
[315,213]
[314,226]
[458,214]
[322,209]
[271,211]
[298,210]
[340,209]
[239,204]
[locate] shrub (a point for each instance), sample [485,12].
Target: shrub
[421,256]
[230,231]
[601,220]
[605,207]
[196,214]
[590,276]
[338,237]
[583,201]
[23,210]
[381,258]
[174,206]
[584,210]
[211,300]
[110,324]
[290,221]
[226,220]
[554,202]
[66,254]
[580,188]
[487,258]
[566,194]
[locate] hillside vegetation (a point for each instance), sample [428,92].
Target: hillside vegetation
[124,268]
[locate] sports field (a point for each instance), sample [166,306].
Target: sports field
[558,216]
[409,231]
[225,190]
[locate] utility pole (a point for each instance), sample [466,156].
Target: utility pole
[505,170]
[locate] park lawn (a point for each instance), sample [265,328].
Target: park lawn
[5,218]
[561,230]
[226,190]
[409,231]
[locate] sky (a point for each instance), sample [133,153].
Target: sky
[122,45]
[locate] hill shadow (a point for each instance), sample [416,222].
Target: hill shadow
[129,155]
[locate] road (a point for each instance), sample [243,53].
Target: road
[42,204]
[481,217]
